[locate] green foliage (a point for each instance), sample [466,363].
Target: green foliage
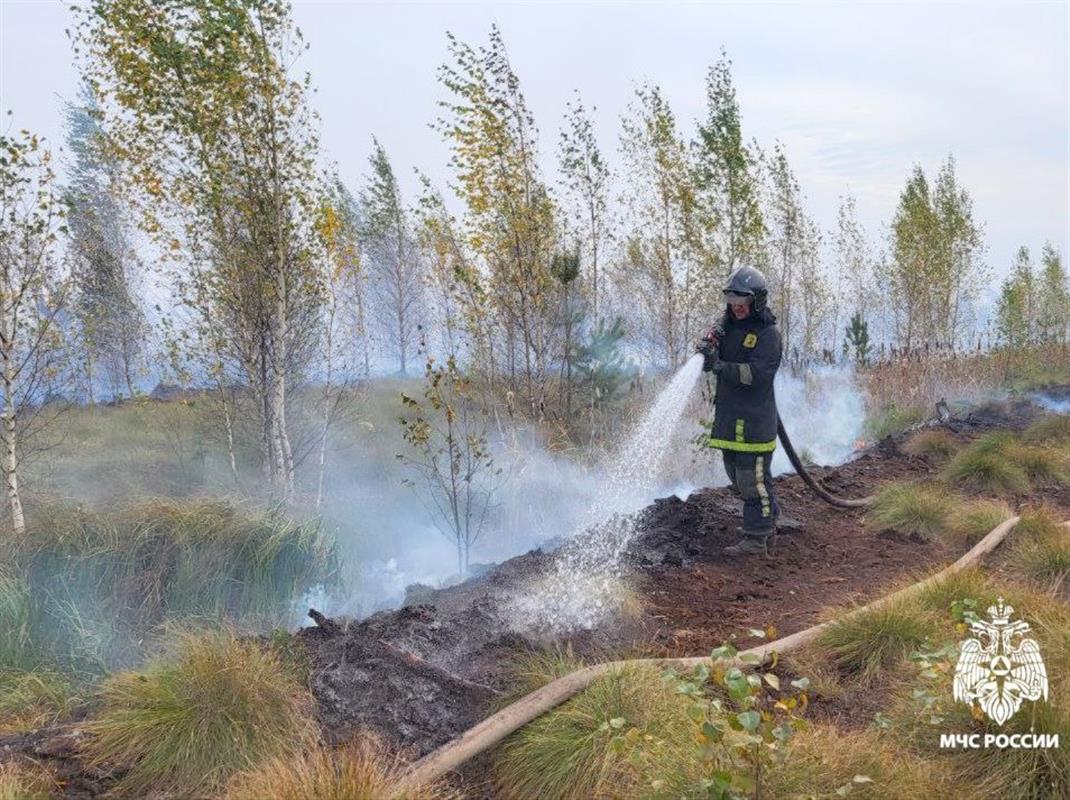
[447,436]
[911,508]
[893,419]
[856,339]
[743,722]
[866,643]
[91,585]
[601,364]
[185,723]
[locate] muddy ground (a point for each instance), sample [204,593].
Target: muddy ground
[422,674]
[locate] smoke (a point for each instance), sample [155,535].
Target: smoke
[583,513]
[1056,405]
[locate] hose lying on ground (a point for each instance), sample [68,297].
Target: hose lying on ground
[496,727]
[796,462]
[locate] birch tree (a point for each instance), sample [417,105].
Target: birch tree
[1053,296]
[509,221]
[32,298]
[585,178]
[112,325]
[218,149]
[658,278]
[391,260]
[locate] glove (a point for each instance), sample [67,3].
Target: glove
[711,362]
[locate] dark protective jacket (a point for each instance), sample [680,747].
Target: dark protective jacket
[745,417]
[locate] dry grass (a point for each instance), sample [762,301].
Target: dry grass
[972,520]
[824,759]
[566,754]
[34,698]
[864,645]
[911,508]
[26,782]
[186,723]
[932,442]
[362,770]
[992,773]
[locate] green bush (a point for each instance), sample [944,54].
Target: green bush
[893,419]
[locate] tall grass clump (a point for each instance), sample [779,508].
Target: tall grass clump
[189,721]
[96,581]
[362,770]
[864,644]
[911,508]
[567,753]
[932,442]
[1040,550]
[986,465]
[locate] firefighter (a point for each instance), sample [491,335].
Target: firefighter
[743,352]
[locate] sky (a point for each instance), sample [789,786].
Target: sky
[857,92]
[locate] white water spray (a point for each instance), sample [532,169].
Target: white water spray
[585,582]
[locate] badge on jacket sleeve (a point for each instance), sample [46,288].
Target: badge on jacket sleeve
[750,340]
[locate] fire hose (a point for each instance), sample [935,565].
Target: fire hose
[815,487]
[498,726]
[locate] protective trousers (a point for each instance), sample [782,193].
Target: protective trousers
[749,473]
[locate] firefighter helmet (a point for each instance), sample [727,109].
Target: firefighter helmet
[747,282]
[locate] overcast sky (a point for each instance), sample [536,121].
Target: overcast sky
[857,92]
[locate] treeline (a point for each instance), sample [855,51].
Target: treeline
[276,287]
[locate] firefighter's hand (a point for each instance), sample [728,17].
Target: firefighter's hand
[710,359]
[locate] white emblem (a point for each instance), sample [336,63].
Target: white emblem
[1000,667]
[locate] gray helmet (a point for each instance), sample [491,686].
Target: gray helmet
[748,282]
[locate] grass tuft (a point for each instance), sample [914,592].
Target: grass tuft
[971,521]
[90,585]
[932,442]
[1040,549]
[911,508]
[565,755]
[362,770]
[1049,429]
[186,723]
[534,669]
[32,699]
[1045,466]
[982,466]
[893,419]
[25,782]
[995,772]
[864,644]
[824,761]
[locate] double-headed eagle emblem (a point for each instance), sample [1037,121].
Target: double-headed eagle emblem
[1000,667]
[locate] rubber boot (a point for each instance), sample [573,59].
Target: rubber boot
[750,544]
